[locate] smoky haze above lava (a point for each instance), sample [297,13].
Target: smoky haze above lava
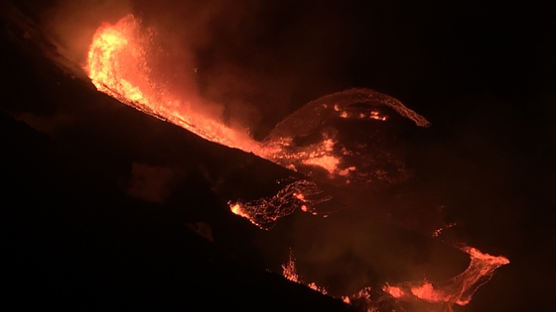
[119,64]
[220,51]
[231,83]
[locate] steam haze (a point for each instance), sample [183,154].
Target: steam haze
[479,173]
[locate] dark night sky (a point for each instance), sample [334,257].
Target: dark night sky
[483,74]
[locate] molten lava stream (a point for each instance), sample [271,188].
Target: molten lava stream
[118,65]
[457,291]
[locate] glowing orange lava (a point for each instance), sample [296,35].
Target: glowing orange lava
[438,231]
[290,273]
[457,290]
[394,291]
[236,209]
[118,65]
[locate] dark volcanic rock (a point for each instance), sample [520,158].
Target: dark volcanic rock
[81,234]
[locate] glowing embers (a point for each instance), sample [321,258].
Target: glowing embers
[361,298]
[322,156]
[372,114]
[457,290]
[441,229]
[290,273]
[118,64]
[266,211]
[393,291]
[348,134]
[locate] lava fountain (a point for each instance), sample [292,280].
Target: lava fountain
[118,64]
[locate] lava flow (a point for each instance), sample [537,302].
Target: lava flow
[118,64]
[290,273]
[264,212]
[458,290]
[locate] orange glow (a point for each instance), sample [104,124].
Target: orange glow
[458,290]
[346,171]
[438,231]
[394,291]
[377,116]
[236,209]
[266,211]
[328,163]
[427,292]
[118,65]
[362,298]
[290,273]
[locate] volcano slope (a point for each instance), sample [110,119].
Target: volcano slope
[102,214]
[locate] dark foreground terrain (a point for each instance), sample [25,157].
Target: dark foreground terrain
[106,208]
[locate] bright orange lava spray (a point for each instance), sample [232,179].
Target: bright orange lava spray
[290,273]
[118,65]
